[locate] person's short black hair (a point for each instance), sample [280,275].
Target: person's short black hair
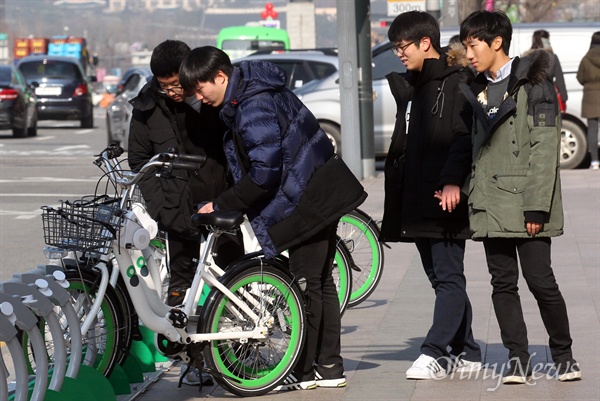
[167,58]
[203,65]
[487,26]
[412,26]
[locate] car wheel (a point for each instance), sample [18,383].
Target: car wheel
[19,132]
[32,130]
[334,135]
[573,145]
[88,121]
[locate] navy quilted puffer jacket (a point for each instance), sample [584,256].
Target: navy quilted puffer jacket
[274,145]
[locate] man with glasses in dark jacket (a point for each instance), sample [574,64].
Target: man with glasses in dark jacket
[426,167]
[165,118]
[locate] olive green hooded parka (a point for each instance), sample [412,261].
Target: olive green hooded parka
[515,173]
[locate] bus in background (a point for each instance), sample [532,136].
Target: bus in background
[240,41]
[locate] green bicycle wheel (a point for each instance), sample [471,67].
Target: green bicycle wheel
[360,234]
[342,275]
[254,367]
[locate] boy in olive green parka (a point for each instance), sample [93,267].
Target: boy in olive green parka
[515,204]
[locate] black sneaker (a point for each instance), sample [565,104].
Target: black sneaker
[568,371]
[293,383]
[330,376]
[516,373]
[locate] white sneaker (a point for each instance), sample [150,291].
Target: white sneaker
[463,366]
[595,166]
[425,368]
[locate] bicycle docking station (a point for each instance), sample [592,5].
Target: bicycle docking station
[30,303]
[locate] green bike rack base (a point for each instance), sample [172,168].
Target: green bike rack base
[145,356]
[77,391]
[93,379]
[148,339]
[133,369]
[51,395]
[119,381]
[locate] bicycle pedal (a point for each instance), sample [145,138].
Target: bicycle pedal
[178,318]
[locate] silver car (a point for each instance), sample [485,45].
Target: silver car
[301,66]
[118,113]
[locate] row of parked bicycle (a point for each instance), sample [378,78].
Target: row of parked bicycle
[108,274]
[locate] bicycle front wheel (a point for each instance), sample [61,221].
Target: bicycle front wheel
[360,234]
[254,367]
[102,344]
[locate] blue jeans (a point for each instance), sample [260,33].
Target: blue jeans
[534,256]
[450,333]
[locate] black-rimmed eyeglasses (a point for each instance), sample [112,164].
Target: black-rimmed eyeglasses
[398,50]
[176,90]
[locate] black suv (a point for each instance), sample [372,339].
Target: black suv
[62,89]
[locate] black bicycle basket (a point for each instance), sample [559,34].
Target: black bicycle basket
[85,225]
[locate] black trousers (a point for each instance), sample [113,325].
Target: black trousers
[534,256]
[313,260]
[184,254]
[450,332]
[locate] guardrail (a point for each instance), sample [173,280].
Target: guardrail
[31,304]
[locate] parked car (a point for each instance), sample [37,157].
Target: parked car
[301,66]
[118,113]
[17,103]
[62,89]
[569,42]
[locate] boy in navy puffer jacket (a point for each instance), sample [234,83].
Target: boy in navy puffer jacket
[290,185]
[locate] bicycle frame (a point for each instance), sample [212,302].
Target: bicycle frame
[154,313]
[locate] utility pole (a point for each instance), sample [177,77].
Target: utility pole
[356,89]
[433,8]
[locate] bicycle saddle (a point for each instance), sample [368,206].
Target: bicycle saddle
[221,219]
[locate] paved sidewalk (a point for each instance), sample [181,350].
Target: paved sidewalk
[381,337]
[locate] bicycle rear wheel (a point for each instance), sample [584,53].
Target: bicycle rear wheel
[255,366]
[360,234]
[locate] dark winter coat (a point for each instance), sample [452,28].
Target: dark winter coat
[158,124]
[287,179]
[588,75]
[435,152]
[515,176]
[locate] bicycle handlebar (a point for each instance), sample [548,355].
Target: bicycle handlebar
[185,166]
[196,159]
[162,160]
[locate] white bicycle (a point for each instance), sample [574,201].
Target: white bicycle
[251,328]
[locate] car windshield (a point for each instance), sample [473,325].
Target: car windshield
[36,70]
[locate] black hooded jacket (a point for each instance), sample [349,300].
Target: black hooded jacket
[158,124]
[435,152]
